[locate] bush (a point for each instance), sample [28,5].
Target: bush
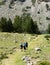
[11,2]
[28,25]
[3,24]
[9,25]
[43,63]
[33,1]
[3,56]
[17,24]
[2,2]
[6,25]
[48,30]
[21,24]
[47,6]
[22,0]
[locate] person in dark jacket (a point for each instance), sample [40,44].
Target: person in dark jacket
[26,44]
[21,46]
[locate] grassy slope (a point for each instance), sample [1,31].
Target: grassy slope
[33,40]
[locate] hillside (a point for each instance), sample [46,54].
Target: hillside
[12,54]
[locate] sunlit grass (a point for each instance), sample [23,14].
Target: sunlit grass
[7,41]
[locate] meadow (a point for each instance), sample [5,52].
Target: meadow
[11,54]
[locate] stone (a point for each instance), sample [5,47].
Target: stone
[37,49]
[30,63]
[26,58]
[23,58]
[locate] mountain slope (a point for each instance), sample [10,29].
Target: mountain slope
[39,11]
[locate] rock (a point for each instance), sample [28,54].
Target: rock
[23,58]
[26,58]
[22,0]
[37,49]
[30,63]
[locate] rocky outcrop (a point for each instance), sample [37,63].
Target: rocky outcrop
[9,9]
[41,14]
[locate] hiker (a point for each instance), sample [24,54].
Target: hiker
[26,44]
[21,46]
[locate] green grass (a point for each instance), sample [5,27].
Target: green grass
[2,3]
[33,1]
[7,43]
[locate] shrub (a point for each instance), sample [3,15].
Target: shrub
[43,63]
[28,25]
[47,6]
[48,30]
[2,2]
[9,25]
[17,24]
[3,55]
[3,24]
[11,2]
[33,1]
[6,25]
[22,0]
[21,24]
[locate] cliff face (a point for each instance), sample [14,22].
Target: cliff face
[40,11]
[42,15]
[18,7]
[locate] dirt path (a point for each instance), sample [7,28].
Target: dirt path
[11,58]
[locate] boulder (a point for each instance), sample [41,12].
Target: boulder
[37,49]
[30,63]
[26,58]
